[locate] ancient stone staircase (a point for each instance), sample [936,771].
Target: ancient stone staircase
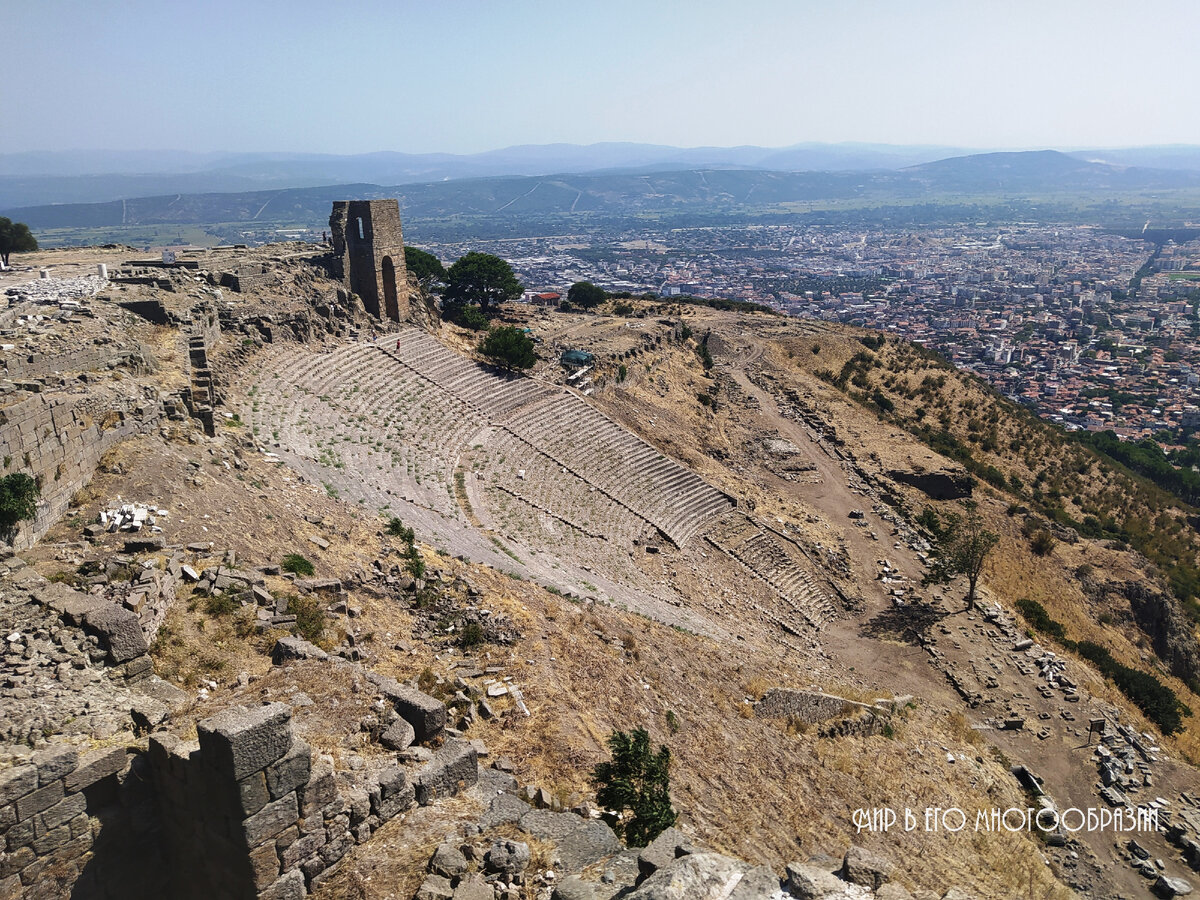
[775,559]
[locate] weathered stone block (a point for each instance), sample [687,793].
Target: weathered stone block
[16,782]
[240,741]
[474,888]
[302,849]
[264,863]
[291,772]
[62,812]
[666,848]
[427,715]
[66,601]
[271,820]
[20,835]
[453,767]
[287,837]
[448,861]
[505,809]
[395,793]
[288,887]
[43,798]
[863,867]
[81,825]
[14,862]
[335,848]
[399,736]
[54,762]
[506,857]
[807,882]
[51,840]
[321,789]
[253,794]
[358,803]
[94,766]
[759,882]
[118,629]
[435,887]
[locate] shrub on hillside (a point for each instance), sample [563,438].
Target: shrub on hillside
[310,618]
[297,565]
[18,502]
[635,788]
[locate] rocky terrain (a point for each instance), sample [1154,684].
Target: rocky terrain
[230,670]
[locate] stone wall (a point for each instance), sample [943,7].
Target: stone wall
[102,355]
[250,812]
[58,441]
[368,252]
[200,397]
[76,819]
[808,706]
[70,818]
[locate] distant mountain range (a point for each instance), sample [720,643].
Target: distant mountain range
[28,179]
[620,193]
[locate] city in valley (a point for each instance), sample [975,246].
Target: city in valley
[1092,329]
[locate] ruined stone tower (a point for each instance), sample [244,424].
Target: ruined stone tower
[368,252]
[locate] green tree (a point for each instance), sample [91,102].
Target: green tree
[483,279]
[586,295]
[510,347]
[15,237]
[427,267]
[635,788]
[961,547]
[466,315]
[18,502]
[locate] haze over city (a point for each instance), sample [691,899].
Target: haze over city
[471,76]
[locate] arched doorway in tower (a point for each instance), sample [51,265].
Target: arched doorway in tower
[390,306]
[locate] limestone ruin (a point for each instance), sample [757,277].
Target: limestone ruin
[368,253]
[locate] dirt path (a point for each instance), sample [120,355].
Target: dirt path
[892,666]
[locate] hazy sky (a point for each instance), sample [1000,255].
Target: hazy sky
[350,76]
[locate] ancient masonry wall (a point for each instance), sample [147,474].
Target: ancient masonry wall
[102,355]
[249,813]
[245,811]
[70,814]
[200,397]
[368,251]
[69,819]
[808,706]
[59,443]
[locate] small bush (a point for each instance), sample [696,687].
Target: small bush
[466,315]
[18,501]
[414,563]
[396,528]
[310,618]
[297,565]
[1035,614]
[1043,543]
[471,636]
[218,605]
[635,788]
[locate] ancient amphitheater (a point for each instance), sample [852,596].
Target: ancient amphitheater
[521,473]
